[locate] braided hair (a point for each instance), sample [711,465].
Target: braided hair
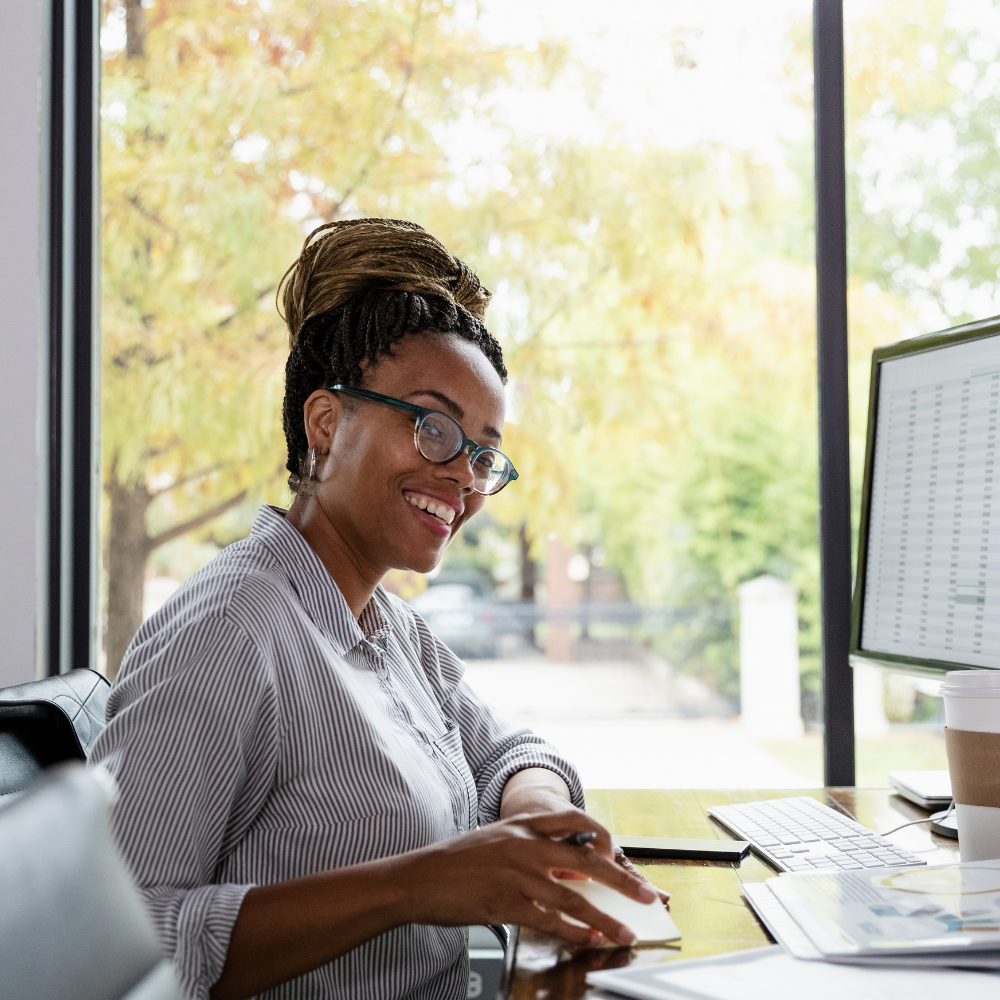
[358,287]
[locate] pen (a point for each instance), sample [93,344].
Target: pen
[579,839]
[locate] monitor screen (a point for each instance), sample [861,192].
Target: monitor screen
[928,590]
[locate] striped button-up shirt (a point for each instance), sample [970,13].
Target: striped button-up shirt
[259,733]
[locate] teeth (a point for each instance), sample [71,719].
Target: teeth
[443,511]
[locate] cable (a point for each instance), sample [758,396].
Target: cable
[936,818]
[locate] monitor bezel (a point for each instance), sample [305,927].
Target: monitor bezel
[979,330]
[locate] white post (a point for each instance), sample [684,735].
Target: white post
[769,659]
[869,702]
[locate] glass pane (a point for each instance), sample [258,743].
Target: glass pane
[635,185]
[922,119]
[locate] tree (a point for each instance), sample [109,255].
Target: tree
[923,109]
[225,126]
[655,305]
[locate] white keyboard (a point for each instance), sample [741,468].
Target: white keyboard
[801,834]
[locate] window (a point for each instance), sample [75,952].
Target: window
[922,118]
[636,188]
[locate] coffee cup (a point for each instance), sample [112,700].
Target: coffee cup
[972,737]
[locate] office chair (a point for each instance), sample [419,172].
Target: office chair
[45,722]
[72,924]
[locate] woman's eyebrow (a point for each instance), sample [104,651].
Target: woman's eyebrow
[442,398]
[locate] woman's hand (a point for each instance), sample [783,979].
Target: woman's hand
[503,873]
[506,873]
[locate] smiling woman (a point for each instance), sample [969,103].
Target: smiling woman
[313,801]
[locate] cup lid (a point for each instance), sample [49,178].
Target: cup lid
[971,684]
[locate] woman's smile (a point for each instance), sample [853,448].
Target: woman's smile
[441,510]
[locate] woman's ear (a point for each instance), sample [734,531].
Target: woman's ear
[321,413]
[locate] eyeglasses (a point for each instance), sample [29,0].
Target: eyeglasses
[440,439]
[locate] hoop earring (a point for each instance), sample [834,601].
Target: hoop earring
[312,464]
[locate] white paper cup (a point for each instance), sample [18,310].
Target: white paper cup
[972,703]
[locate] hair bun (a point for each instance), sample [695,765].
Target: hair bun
[342,260]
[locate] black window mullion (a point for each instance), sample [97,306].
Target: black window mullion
[831,371]
[70,436]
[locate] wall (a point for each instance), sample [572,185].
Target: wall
[20,334]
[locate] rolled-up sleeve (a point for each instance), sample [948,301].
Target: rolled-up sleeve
[494,748]
[192,739]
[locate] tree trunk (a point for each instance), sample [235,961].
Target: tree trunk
[529,578]
[135,30]
[128,550]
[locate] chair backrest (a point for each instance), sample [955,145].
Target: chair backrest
[46,722]
[72,924]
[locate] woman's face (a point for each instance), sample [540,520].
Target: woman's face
[372,478]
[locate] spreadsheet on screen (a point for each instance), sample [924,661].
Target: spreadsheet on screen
[932,576]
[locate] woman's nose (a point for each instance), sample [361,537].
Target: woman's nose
[460,469]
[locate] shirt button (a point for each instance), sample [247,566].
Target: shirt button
[429,750]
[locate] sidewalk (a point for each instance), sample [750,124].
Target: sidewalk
[629,726]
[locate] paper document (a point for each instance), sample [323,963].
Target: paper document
[949,911]
[770,974]
[651,923]
[779,922]
[797,943]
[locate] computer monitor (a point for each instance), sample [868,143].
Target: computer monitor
[927,597]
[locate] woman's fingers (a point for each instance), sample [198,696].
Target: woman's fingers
[594,865]
[558,897]
[551,923]
[624,862]
[565,822]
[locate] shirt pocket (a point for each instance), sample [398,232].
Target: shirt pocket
[465,797]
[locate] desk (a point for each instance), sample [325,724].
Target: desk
[706,895]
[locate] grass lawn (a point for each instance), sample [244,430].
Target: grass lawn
[902,750]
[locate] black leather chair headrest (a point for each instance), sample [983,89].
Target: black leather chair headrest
[48,721]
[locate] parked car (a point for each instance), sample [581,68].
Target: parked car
[459,615]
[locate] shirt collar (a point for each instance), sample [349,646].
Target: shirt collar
[315,588]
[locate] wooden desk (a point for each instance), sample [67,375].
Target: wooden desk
[706,903]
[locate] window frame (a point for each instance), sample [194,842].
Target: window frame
[71,429]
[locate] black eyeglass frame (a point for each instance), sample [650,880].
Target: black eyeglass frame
[422,412]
